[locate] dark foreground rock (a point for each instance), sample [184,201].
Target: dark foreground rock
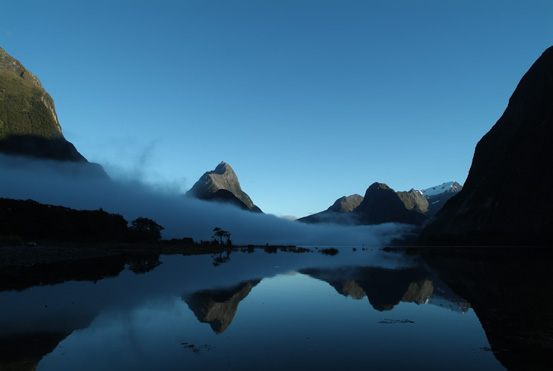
[507,197]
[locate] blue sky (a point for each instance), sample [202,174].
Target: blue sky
[307,100]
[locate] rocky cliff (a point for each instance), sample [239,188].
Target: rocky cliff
[346,204]
[414,200]
[222,185]
[507,197]
[29,124]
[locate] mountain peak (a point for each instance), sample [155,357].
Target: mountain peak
[222,168]
[376,186]
[382,204]
[222,185]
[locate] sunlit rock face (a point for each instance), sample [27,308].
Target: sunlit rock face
[218,307]
[346,204]
[507,197]
[29,126]
[222,185]
[28,121]
[414,201]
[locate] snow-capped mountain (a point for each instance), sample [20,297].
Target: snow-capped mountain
[438,195]
[448,187]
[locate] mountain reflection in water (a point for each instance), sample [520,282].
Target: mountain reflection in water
[281,310]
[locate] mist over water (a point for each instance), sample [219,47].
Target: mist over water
[70,185]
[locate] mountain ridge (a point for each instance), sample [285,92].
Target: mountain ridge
[345,209]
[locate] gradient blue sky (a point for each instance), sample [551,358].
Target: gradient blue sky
[307,100]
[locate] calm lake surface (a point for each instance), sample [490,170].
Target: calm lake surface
[357,310]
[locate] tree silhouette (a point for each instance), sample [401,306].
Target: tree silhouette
[145,229]
[220,234]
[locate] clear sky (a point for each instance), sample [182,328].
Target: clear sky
[307,100]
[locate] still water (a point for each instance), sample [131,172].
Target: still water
[357,310]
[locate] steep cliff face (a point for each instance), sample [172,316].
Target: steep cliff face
[222,185]
[507,197]
[414,201]
[29,124]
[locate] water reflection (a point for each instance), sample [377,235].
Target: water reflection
[384,288]
[95,269]
[510,292]
[218,307]
[278,311]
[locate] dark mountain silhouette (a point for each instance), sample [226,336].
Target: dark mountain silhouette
[507,197]
[381,204]
[29,124]
[222,185]
[338,213]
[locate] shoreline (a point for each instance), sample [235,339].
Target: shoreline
[14,256]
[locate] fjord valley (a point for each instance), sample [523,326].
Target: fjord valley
[31,138]
[187,268]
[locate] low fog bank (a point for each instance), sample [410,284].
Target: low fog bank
[65,184]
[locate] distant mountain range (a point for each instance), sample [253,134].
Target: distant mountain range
[222,185]
[382,204]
